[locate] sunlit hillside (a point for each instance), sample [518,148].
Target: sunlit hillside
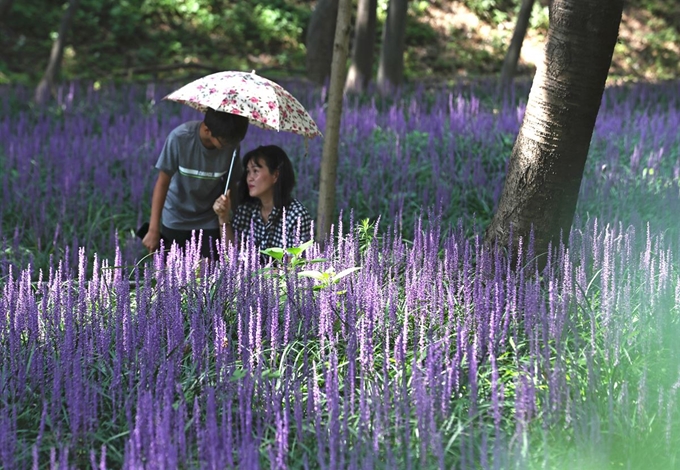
[446,40]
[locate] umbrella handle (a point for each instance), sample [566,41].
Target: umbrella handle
[233,157]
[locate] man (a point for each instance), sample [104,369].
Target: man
[194,159]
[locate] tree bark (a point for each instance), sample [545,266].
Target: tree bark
[361,69]
[329,157]
[5,7]
[319,40]
[391,67]
[45,88]
[515,49]
[546,166]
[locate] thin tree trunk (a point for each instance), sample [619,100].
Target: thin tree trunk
[46,85]
[360,71]
[515,49]
[5,7]
[547,162]
[391,68]
[329,157]
[319,41]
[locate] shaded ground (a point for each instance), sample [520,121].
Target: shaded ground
[648,46]
[446,40]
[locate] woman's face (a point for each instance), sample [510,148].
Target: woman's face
[259,179]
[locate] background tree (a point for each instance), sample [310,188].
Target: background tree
[5,7]
[546,166]
[44,89]
[319,41]
[361,69]
[157,41]
[512,56]
[329,156]
[391,67]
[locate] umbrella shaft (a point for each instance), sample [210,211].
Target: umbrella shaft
[233,157]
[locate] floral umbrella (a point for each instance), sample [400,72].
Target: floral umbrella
[265,103]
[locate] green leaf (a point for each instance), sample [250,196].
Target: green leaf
[295,251]
[314,275]
[276,253]
[344,273]
[237,375]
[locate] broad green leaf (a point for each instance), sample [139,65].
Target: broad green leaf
[313,274]
[276,253]
[344,273]
[296,250]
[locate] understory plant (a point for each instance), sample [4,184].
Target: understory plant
[436,353]
[402,341]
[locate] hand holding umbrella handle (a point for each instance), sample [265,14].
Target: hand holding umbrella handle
[222,208]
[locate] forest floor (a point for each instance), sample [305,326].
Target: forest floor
[648,48]
[446,41]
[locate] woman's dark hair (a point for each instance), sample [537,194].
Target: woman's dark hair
[275,159]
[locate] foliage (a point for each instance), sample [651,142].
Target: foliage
[540,17]
[403,341]
[418,32]
[438,154]
[292,259]
[434,353]
[491,9]
[152,40]
[110,38]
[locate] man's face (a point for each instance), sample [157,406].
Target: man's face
[221,143]
[218,142]
[211,141]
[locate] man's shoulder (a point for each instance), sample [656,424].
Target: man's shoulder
[185,131]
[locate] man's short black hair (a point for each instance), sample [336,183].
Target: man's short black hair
[227,126]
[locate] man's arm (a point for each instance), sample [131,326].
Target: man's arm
[160,191]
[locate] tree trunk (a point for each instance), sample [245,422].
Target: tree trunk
[512,56]
[329,157]
[46,85]
[360,71]
[546,166]
[5,7]
[391,68]
[319,41]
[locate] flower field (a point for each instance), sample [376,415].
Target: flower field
[432,354]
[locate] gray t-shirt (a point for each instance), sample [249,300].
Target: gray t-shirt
[198,178]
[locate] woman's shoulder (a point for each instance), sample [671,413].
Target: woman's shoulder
[243,215]
[247,206]
[297,207]
[296,210]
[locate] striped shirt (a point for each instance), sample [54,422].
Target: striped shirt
[198,178]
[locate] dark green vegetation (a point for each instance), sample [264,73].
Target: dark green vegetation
[91,155]
[433,354]
[165,39]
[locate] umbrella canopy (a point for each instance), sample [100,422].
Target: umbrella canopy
[265,103]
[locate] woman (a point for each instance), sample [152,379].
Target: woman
[266,203]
